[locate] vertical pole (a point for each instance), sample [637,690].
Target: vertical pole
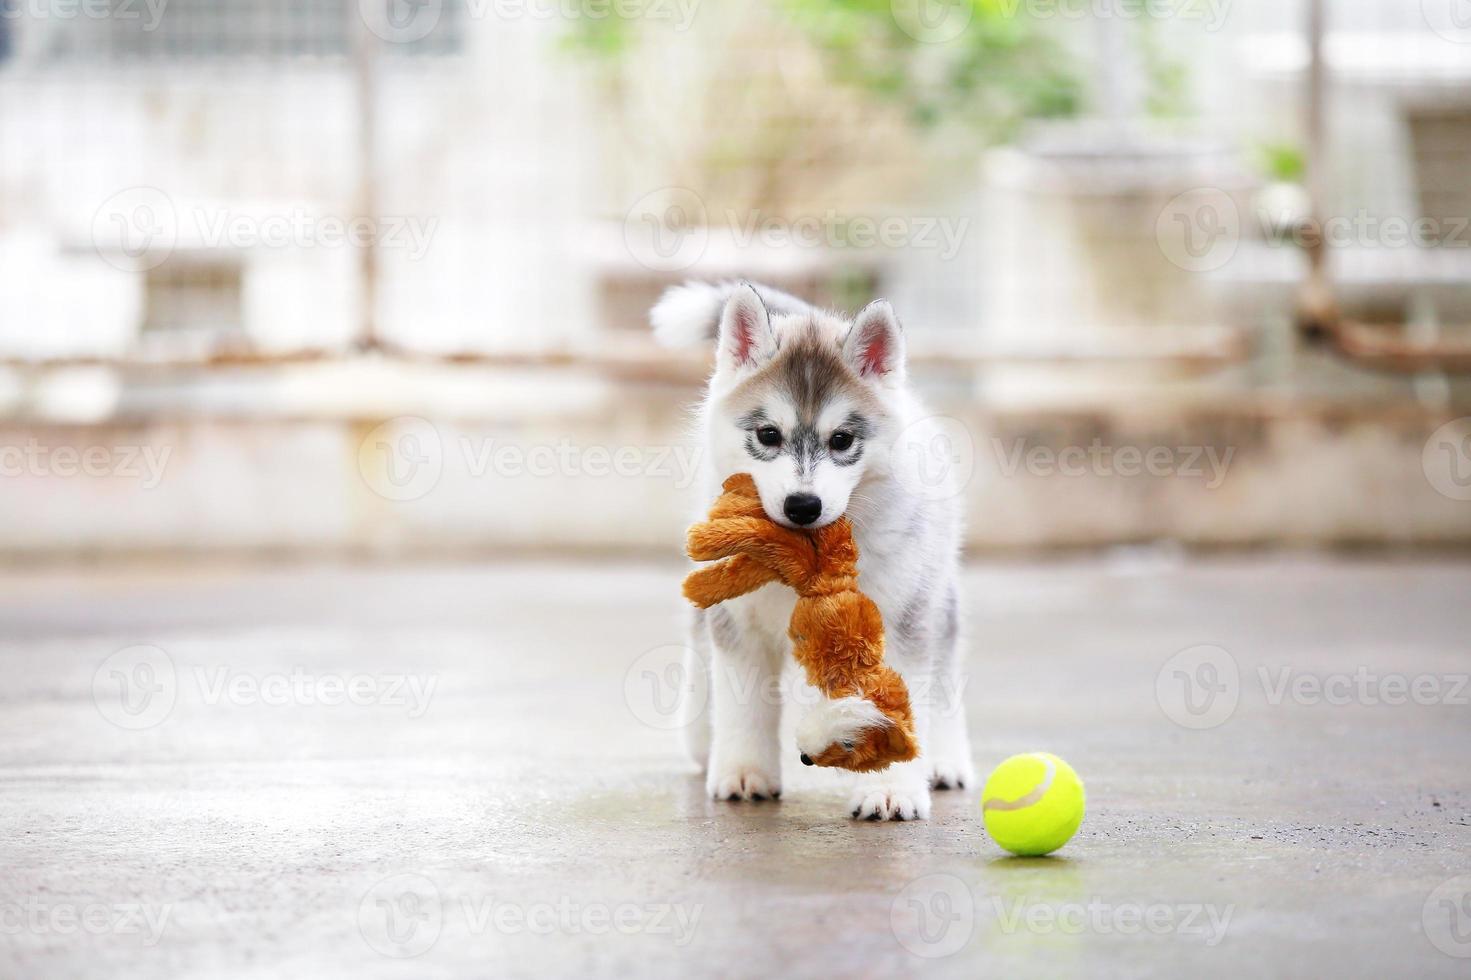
[1119,73]
[1317,312]
[365,46]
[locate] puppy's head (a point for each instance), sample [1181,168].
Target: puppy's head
[804,403]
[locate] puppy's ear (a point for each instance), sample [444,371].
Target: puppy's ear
[746,340]
[874,347]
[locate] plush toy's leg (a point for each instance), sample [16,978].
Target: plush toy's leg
[745,760]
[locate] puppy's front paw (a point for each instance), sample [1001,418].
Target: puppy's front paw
[742,783]
[896,802]
[952,773]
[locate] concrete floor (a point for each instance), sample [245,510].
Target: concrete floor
[525,816]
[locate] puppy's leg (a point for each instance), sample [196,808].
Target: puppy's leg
[949,749]
[902,791]
[694,720]
[745,761]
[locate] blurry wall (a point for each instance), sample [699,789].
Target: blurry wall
[613,469]
[208,155]
[188,180]
[223,145]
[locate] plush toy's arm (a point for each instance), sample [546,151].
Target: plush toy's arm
[736,521]
[740,499]
[739,529]
[725,580]
[791,555]
[725,537]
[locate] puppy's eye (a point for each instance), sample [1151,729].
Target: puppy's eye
[847,745]
[840,441]
[768,435]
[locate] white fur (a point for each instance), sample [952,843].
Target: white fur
[683,315]
[838,720]
[686,315]
[909,565]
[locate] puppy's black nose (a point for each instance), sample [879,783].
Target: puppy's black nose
[807,760]
[802,508]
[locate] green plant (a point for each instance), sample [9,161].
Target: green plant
[998,71]
[1166,76]
[598,36]
[1283,162]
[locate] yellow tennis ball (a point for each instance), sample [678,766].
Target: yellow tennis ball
[1032,803]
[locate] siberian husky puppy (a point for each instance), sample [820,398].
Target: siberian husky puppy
[816,407]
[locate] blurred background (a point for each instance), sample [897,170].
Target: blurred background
[372,278]
[343,486]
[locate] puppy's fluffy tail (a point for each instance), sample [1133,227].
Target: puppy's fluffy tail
[690,314]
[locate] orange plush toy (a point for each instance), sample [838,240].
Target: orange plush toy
[837,632]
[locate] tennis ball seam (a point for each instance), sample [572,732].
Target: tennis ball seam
[1031,798]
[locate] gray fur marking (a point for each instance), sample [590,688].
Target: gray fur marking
[810,370]
[724,629]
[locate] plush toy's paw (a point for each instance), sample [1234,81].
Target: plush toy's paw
[900,792]
[951,773]
[735,783]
